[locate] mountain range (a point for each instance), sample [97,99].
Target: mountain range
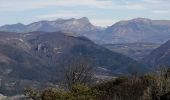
[139,30]
[129,31]
[70,26]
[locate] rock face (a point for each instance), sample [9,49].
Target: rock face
[38,58]
[160,57]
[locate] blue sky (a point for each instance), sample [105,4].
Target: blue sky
[99,12]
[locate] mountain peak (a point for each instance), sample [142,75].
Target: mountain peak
[136,20]
[143,20]
[17,24]
[84,19]
[20,24]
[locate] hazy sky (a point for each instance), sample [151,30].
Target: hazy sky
[100,12]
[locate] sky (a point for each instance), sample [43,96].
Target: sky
[99,12]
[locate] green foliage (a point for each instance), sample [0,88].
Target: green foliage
[78,92]
[33,94]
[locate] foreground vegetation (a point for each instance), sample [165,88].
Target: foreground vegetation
[155,86]
[80,84]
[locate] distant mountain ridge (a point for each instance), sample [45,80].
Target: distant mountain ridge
[139,30]
[129,31]
[66,25]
